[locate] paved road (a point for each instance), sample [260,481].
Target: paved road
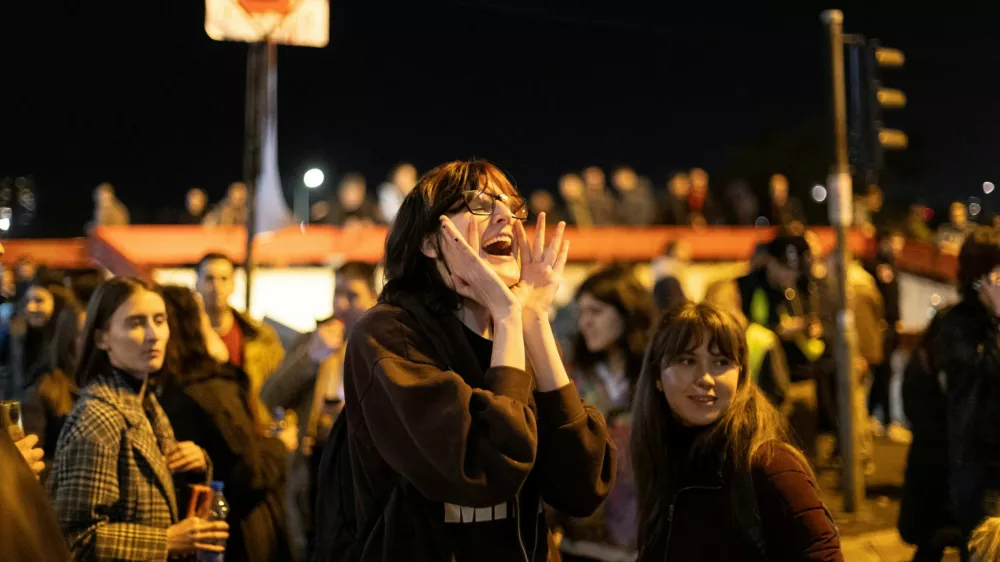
[870,535]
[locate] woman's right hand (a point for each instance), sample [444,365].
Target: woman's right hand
[32,454]
[289,436]
[194,533]
[471,276]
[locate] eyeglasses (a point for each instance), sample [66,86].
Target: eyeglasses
[483,203]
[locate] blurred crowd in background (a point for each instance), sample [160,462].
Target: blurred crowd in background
[592,198]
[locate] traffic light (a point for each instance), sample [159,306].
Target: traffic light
[881,98]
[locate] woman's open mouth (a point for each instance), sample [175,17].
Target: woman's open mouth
[501,245]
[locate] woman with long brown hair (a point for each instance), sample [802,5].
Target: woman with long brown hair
[208,400]
[51,395]
[112,482]
[24,345]
[717,478]
[614,316]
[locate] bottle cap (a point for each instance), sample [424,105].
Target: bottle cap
[217,486]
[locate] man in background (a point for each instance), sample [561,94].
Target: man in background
[233,210]
[253,346]
[885,271]
[786,212]
[701,205]
[108,210]
[401,182]
[195,207]
[310,381]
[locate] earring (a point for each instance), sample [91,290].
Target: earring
[659,386]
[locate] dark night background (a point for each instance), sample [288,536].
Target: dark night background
[141,97]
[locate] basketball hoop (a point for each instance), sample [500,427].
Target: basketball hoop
[266,6]
[305,23]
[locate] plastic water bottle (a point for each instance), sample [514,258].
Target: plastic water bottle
[217,512]
[278,424]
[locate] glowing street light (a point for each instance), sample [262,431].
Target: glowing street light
[819,193]
[313,178]
[988,187]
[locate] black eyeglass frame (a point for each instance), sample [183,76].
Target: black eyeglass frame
[518,205]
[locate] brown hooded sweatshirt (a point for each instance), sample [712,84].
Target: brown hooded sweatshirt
[466,457]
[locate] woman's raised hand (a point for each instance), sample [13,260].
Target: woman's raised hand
[471,276]
[541,267]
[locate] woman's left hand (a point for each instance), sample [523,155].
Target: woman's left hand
[187,457]
[541,267]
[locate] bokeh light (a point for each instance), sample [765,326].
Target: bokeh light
[313,178]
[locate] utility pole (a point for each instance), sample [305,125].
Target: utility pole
[262,58]
[840,211]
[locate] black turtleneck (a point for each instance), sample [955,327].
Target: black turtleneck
[683,438]
[133,382]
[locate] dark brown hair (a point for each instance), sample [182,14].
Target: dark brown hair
[617,286]
[740,436]
[979,255]
[186,349]
[439,192]
[57,388]
[107,299]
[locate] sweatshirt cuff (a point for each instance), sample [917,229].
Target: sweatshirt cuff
[559,407]
[510,382]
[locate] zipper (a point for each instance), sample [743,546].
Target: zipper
[670,514]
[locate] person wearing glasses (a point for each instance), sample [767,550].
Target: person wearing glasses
[461,419]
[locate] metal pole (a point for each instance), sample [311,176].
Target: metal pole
[858,144]
[301,204]
[840,209]
[260,58]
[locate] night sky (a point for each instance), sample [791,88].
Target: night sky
[141,97]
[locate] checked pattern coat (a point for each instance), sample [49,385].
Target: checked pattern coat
[110,485]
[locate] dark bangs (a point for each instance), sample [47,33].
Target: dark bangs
[685,328]
[438,192]
[442,187]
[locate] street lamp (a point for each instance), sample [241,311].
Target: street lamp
[312,179]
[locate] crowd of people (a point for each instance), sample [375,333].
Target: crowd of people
[585,200]
[455,414]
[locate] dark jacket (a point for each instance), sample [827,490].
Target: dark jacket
[262,355]
[968,351]
[788,214]
[886,275]
[674,211]
[925,508]
[212,408]
[703,527]
[777,304]
[43,416]
[469,456]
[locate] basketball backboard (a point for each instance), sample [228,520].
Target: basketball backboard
[305,23]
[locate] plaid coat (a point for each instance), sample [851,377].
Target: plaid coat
[110,485]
